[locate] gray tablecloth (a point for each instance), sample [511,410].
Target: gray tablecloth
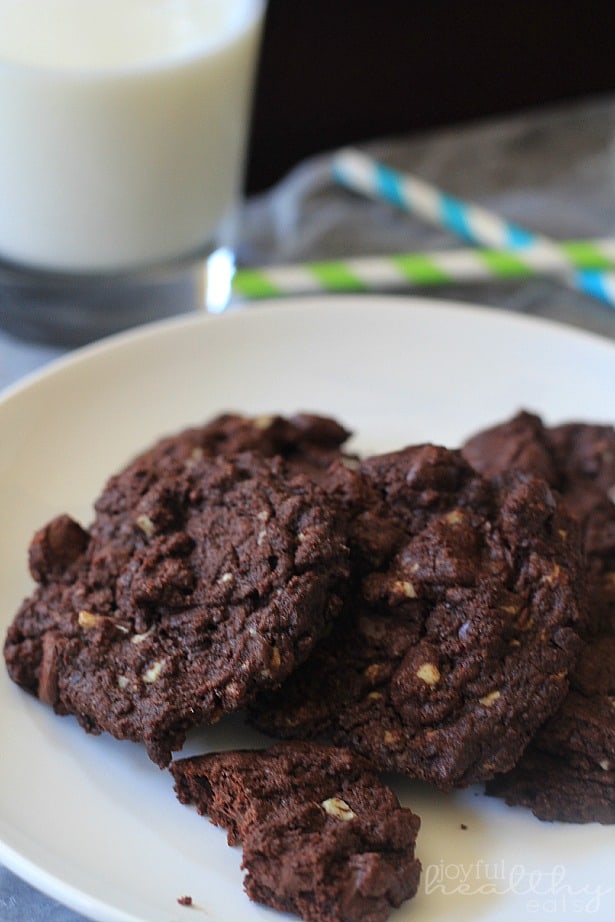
[552,171]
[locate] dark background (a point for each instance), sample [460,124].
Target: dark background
[336,71]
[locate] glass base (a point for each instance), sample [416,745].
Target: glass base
[71,310]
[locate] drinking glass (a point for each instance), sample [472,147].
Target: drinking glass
[124,133]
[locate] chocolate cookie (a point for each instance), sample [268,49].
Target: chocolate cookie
[195,586]
[306,441]
[555,791]
[578,460]
[457,645]
[322,836]
[568,771]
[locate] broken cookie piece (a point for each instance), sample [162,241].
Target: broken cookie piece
[322,836]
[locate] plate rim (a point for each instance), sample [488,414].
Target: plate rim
[125,339]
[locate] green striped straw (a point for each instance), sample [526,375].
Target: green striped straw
[417,270]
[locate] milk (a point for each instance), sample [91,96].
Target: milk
[123,127]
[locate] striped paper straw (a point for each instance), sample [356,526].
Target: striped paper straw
[440,267]
[475,224]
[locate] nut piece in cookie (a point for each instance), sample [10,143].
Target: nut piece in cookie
[196,585]
[459,640]
[322,836]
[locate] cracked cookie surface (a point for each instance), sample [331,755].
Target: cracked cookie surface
[577,460]
[307,442]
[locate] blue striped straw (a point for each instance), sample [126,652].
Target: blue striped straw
[474,224]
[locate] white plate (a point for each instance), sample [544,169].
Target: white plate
[90,820]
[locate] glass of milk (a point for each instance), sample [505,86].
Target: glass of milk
[123,135]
